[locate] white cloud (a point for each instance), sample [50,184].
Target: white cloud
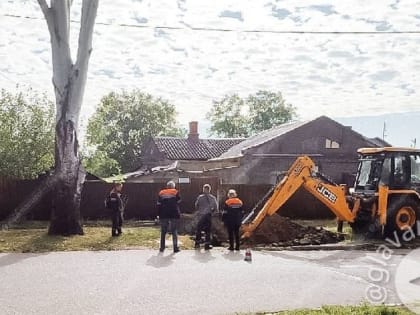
[321,74]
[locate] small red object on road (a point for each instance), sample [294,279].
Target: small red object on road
[248,255]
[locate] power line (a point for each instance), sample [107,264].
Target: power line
[206,29]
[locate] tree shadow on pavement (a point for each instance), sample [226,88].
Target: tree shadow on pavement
[203,257]
[14,258]
[160,261]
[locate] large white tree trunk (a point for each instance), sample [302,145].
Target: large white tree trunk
[69,82]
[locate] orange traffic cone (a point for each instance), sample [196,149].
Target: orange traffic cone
[248,255]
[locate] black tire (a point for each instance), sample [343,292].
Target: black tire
[402,214]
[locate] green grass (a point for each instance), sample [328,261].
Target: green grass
[32,237]
[349,310]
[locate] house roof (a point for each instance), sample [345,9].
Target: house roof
[280,130]
[262,137]
[379,142]
[199,149]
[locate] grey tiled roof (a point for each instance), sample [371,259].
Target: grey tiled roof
[281,130]
[379,142]
[201,149]
[262,137]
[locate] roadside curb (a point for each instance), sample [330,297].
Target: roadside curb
[367,246]
[363,246]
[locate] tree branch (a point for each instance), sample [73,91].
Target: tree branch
[87,22]
[46,10]
[44,6]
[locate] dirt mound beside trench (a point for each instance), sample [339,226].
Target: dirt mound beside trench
[281,231]
[273,231]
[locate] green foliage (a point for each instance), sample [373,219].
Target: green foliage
[101,165]
[268,109]
[120,126]
[236,117]
[26,133]
[364,309]
[31,236]
[227,117]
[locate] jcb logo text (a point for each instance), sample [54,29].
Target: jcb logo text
[326,193]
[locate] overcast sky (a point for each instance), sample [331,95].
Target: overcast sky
[338,75]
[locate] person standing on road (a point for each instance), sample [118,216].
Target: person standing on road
[232,217]
[205,205]
[169,214]
[116,203]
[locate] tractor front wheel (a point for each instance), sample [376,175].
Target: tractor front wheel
[402,215]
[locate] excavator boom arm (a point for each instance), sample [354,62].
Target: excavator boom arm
[301,174]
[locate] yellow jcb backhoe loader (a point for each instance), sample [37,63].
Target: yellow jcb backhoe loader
[385,197]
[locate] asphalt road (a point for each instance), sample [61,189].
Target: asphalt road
[190,282]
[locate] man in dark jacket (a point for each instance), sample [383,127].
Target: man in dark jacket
[116,203]
[169,214]
[205,205]
[232,217]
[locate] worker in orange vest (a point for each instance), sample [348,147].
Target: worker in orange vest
[169,214]
[232,217]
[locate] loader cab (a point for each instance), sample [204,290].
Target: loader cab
[397,168]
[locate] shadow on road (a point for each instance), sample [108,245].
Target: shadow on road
[14,258]
[233,256]
[160,261]
[203,257]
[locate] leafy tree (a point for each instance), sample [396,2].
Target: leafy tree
[99,164]
[237,117]
[120,126]
[268,109]
[26,133]
[228,118]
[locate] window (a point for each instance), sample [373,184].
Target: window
[415,169]
[400,170]
[331,144]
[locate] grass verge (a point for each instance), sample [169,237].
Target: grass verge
[348,310]
[32,237]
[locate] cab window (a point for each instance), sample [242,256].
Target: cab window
[415,169]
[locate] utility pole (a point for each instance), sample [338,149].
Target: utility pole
[384,131]
[413,145]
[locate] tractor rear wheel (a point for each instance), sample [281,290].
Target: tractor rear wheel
[402,215]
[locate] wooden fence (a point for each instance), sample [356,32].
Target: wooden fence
[143,197]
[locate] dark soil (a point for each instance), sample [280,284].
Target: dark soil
[281,231]
[273,231]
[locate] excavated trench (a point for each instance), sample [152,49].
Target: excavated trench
[275,231]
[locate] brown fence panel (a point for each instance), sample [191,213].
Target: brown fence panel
[141,204]
[249,194]
[92,204]
[302,205]
[189,192]
[142,200]
[13,192]
[143,197]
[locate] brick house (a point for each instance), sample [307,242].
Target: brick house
[166,158]
[263,157]
[256,161]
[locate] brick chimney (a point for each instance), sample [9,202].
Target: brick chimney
[193,135]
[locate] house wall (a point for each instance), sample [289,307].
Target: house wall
[262,164]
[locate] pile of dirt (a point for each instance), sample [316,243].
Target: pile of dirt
[274,231]
[281,231]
